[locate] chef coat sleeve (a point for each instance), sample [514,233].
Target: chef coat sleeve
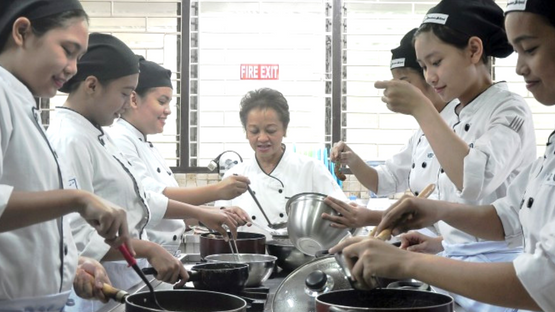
[508,208]
[393,176]
[131,153]
[158,204]
[536,271]
[495,155]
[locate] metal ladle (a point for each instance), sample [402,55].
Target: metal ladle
[273,226]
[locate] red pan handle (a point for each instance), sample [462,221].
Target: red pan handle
[127,255]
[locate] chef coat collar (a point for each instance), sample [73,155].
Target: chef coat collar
[279,161]
[136,132]
[471,108]
[18,87]
[99,128]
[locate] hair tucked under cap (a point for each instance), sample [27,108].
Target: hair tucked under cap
[152,75]
[106,58]
[10,10]
[541,7]
[481,18]
[405,55]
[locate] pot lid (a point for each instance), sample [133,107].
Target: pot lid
[291,295]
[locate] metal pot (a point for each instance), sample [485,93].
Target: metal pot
[260,266]
[288,257]
[383,299]
[246,243]
[180,300]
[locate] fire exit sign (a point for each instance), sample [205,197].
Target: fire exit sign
[259,71]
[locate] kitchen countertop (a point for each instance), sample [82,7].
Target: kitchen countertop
[191,259]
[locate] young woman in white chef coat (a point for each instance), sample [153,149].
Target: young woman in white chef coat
[147,114]
[275,172]
[528,209]
[492,139]
[40,42]
[414,167]
[107,74]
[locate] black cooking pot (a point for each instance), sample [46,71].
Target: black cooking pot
[222,276]
[246,243]
[288,257]
[179,300]
[383,299]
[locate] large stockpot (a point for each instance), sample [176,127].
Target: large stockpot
[246,243]
[384,299]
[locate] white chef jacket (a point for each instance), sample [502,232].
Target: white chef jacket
[102,169]
[529,210]
[155,175]
[497,153]
[37,262]
[415,166]
[294,174]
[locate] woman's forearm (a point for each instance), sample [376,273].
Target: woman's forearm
[28,208]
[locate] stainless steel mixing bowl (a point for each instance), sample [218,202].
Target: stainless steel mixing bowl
[307,230]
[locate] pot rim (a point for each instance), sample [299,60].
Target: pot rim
[219,237]
[341,306]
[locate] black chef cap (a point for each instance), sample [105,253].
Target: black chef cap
[152,75]
[10,10]
[541,7]
[481,18]
[405,55]
[106,58]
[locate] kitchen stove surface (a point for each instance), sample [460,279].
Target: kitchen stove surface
[268,289]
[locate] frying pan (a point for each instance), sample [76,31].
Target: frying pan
[221,276]
[178,300]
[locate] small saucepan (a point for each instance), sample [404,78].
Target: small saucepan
[247,242]
[220,276]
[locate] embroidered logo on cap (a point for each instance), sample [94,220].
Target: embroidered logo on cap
[516,5]
[399,62]
[436,18]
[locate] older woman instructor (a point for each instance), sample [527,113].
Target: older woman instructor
[276,173]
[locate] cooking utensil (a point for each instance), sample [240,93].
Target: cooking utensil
[384,299]
[385,234]
[288,257]
[133,263]
[178,300]
[246,243]
[217,276]
[307,230]
[260,266]
[274,226]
